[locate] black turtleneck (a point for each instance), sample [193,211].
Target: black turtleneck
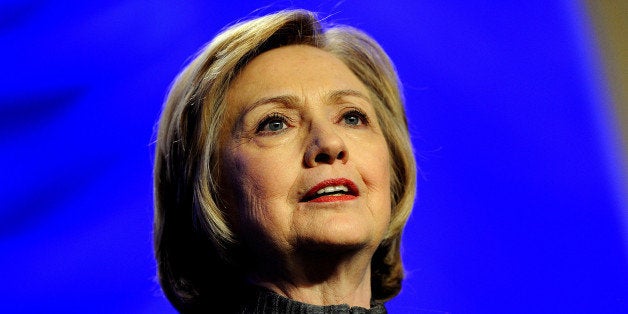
[265,301]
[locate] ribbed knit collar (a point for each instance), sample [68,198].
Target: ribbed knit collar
[266,301]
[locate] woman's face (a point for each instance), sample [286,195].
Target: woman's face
[304,154]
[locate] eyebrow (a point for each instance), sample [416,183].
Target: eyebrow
[292,100]
[337,94]
[287,100]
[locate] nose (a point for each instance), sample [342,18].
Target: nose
[325,146]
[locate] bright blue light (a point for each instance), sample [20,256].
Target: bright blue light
[518,204]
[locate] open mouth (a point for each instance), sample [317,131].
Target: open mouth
[332,190]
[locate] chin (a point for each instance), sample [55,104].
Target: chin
[339,237]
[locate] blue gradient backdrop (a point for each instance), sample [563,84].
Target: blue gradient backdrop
[519,207]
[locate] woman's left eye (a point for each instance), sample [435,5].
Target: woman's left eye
[355,118]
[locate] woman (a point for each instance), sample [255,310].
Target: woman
[284,173]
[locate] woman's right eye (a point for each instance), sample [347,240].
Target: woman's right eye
[272,124]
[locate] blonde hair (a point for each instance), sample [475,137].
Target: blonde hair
[195,247]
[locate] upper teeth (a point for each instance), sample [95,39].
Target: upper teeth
[333,189]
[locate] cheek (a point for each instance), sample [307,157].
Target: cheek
[260,175]
[385,178]
[260,186]
[377,176]
[378,168]
[384,199]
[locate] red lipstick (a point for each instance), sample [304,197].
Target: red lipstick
[332,190]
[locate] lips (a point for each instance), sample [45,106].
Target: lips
[332,190]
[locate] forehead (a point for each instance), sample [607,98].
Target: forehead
[298,69]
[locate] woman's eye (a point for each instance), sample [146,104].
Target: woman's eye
[355,117]
[352,119]
[273,123]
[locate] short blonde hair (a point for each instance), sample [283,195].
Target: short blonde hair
[195,247]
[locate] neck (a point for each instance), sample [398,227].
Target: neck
[321,278]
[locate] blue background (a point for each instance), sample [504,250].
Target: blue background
[521,203]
